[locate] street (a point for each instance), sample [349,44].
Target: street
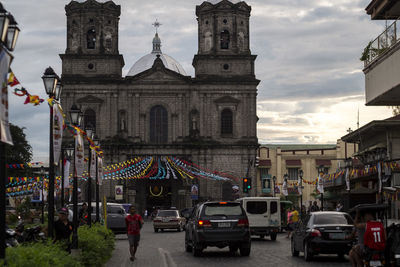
[166,249]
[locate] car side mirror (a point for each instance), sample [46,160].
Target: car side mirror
[186,215]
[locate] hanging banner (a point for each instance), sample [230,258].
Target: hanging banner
[67,165]
[100,170]
[347,177]
[299,187]
[379,169]
[119,192]
[37,194]
[5,135]
[79,155]
[93,163]
[320,184]
[58,122]
[285,188]
[194,192]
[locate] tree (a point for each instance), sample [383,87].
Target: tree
[20,152]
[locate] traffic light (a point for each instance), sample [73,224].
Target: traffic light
[246,185]
[245,189]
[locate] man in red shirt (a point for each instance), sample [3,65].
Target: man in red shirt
[134,223]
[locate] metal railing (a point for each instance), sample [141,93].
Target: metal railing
[382,43]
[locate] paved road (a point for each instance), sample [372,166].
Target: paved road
[166,249]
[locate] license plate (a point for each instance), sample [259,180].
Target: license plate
[375,263]
[336,236]
[165,220]
[224,224]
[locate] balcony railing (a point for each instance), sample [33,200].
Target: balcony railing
[382,43]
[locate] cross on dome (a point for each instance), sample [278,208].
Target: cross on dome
[156,25]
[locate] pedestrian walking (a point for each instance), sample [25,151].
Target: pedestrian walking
[63,229]
[134,223]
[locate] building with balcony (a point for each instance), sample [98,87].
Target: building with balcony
[382,57]
[278,160]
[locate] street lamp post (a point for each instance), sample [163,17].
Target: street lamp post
[76,118]
[301,190]
[89,133]
[274,181]
[8,38]
[42,176]
[97,143]
[321,172]
[53,90]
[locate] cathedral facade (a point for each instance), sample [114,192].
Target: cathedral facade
[157,109]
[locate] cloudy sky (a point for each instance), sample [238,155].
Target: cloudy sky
[308,60]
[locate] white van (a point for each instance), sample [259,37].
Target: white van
[264,214]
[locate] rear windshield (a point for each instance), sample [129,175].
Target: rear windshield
[257,207]
[332,219]
[167,213]
[231,209]
[115,209]
[274,207]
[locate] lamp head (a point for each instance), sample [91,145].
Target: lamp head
[50,80]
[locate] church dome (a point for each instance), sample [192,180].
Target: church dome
[147,61]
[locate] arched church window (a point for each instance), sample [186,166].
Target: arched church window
[122,126]
[225,39]
[90,118]
[91,39]
[226,121]
[158,125]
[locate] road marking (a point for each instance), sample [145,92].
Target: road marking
[166,258]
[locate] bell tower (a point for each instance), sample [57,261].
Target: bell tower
[92,40]
[224,40]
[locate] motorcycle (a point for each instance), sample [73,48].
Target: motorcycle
[374,242]
[33,234]
[11,240]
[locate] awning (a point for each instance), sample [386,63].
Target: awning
[293,162]
[323,162]
[265,163]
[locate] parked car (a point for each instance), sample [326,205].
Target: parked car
[218,224]
[115,216]
[325,232]
[264,215]
[168,219]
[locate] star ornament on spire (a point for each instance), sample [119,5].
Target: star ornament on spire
[157,25]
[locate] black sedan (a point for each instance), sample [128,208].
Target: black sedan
[323,232]
[218,224]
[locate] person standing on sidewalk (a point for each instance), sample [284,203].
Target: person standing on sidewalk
[134,223]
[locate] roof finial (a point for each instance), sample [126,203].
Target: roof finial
[157,25]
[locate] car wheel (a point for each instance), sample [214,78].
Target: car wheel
[262,236]
[196,251]
[307,253]
[245,250]
[341,256]
[188,248]
[156,230]
[295,252]
[162,230]
[273,236]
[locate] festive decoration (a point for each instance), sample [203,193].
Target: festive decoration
[30,99]
[159,193]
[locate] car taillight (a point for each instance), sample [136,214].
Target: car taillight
[204,223]
[243,222]
[315,232]
[156,220]
[173,220]
[85,216]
